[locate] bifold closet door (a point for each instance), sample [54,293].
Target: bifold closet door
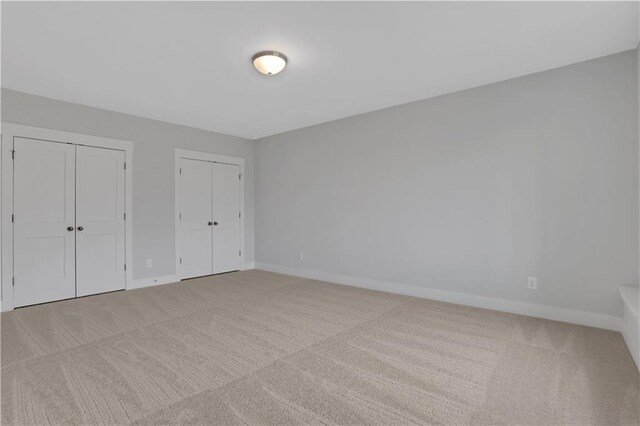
[100,230]
[195,218]
[44,221]
[226,217]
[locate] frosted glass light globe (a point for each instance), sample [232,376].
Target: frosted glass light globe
[270,62]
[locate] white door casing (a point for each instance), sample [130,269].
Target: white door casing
[100,220]
[231,169]
[195,216]
[44,221]
[9,143]
[226,217]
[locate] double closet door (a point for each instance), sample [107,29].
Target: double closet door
[209,218]
[69,221]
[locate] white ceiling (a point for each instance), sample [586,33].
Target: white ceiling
[189,63]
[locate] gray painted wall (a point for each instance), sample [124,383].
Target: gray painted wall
[153,167]
[469,192]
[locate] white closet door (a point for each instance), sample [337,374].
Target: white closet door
[226,217]
[100,222]
[195,218]
[44,237]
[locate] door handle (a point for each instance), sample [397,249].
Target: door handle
[210,223]
[70,228]
[80,228]
[215,223]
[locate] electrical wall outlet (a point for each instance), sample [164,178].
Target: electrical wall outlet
[149,263]
[301,256]
[532,283]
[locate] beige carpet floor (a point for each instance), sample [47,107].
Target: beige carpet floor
[261,348]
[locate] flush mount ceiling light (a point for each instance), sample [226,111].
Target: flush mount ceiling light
[269,62]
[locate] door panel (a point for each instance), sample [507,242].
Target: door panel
[44,250]
[100,231]
[226,210]
[195,209]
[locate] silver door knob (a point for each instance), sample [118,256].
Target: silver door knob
[210,223]
[70,228]
[80,228]
[215,223]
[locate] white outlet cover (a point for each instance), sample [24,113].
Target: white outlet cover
[532,283]
[149,263]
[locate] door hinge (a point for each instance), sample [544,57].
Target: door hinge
[13,281]
[180,216]
[125,166]
[125,216]
[180,170]
[239,214]
[12,218]
[239,252]
[181,261]
[13,154]
[125,266]
[240,176]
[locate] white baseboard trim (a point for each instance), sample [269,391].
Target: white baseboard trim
[148,282]
[573,316]
[631,321]
[630,333]
[167,279]
[141,283]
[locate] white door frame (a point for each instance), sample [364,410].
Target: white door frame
[11,131]
[213,158]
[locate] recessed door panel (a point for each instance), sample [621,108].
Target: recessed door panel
[195,211]
[226,217]
[44,222]
[100,230]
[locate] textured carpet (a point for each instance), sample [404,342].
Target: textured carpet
[261,348]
